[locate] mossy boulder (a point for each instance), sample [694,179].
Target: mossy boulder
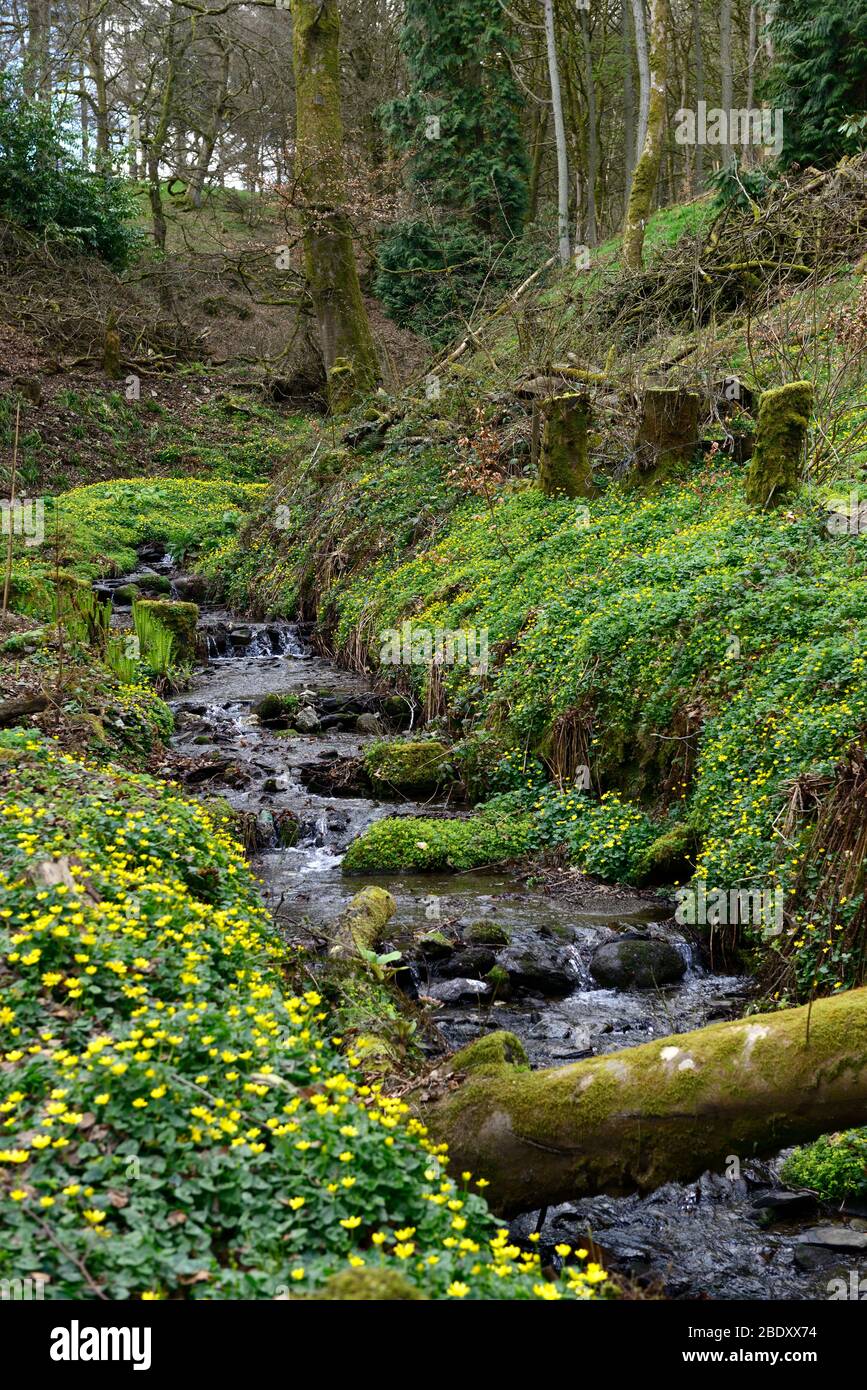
[276,711]
[487,933]
[835,1166]
[407,765]
[425,845]
[127,594]
[498,979]
[637,964]
[784,420]
[153,583]
[434,945]
[180,619]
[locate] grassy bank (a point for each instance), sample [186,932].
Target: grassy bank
[179,1117]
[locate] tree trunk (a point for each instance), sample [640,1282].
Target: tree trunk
[752,54]
[725,47]
[698,48]
[564,460]
[640,27]
[592,132]
[781,438]
[208,136]
[629,132]
[563,241]
[538,159]
[667,436]
[663,1112]
[346,342]
[647,169]
[37,61]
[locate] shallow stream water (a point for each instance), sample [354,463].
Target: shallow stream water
[728,1235]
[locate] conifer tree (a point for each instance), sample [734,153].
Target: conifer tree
[820,78]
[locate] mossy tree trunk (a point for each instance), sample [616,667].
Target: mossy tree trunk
[663,1112]
[346,342]
[647,169]
[667,435]
[778,456]
[564,459]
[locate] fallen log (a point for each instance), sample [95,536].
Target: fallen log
[666,1111]
[13,711]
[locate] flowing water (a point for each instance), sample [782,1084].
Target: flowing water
[728,1235]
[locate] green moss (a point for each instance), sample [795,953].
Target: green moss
[276,707]
[362,923]
[154,584]
[491,1053]
[499,979]
[180,619]
[835,1166]
[488,933]
[669,857]
[422,845]
[778,458]
[407,764]
[377,1285]
[564,461]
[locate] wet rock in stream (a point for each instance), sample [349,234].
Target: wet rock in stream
[637,963]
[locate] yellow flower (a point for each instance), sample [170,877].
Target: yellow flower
[296,1203]
[350,1222]
[457,1289]
[94,1216]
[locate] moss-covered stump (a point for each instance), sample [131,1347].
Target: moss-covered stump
[360,926]
[662,1112]
[564,459]
[778,456]
[180,619]
[407,765]
[376,1285]
[667,436]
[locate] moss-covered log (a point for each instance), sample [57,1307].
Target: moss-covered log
[778,456]
[347,345]
[360,926]
[662,1112]
[564,460]
[667,434]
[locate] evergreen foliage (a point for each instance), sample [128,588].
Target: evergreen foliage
[820,78]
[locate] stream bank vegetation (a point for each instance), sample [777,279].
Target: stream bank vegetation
[637,466]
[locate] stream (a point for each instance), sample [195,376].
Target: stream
[726,1236]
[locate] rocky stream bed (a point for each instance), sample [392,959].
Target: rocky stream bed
[571,965]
